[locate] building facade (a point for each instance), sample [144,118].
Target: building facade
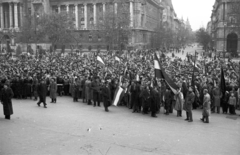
[145,16]
[224,30]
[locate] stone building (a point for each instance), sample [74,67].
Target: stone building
[225,30]
[145,16]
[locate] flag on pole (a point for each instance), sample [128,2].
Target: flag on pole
[137,77]
[157,68]
[222,83]
[193,75]
[100,60]
[117,59]
[117,95]
[164,75]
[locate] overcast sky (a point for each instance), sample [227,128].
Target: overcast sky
[197,11]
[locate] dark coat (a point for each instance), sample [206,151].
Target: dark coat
[6,96]
[145,96]
[106,95]
[189,101]
[42,90]
[154,100]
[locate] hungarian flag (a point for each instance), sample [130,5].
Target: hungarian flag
[117,59]
[117,95]
[137,78]
[222,83]
[160,72]
[100,60]
[157,68]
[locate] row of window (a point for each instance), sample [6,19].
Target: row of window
[72,9]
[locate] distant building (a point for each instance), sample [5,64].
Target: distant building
[145,16]
[225,31]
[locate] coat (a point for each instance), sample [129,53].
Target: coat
[88,92]
[6,96]
[106,95]
[42,90]
[179,101]
[75,90]
[217,97]
[53,90]
[190,98]
[154,100]
[206,105]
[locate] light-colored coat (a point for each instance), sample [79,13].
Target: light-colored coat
[217,97]
[179,101]
[53,90]
[206,105]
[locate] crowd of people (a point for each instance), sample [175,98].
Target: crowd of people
[82,76]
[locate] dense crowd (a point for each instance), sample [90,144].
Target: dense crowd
[82,76]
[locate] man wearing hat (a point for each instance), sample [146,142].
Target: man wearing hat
[189,104]
[6,96]
[106,94]
[42,92]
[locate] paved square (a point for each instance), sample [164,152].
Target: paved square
[69,128]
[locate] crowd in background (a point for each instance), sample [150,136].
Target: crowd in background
[83,77]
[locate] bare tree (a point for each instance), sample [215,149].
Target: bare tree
[115,26]
[57,28]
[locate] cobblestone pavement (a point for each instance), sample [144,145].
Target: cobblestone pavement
[69,128]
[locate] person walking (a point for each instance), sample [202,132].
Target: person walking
[6,99]
[106,94]
[53,91]
[42,93]
[206,106]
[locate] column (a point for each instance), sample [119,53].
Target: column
[59,8]
[21,14]
[104,8]
[94,14]
[10,16]
[85,15]
[16,15]
[115,7]
[67,8]
[32,9]
[76,15]
[2,18]
[131,14]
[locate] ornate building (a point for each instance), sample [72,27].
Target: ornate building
[225,30]
[145,16]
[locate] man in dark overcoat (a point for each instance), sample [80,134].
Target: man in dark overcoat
[154,101]
[6,99]
[135,92]
[106,95]
[168,100]
[145,97]
[189,104]
[42,93]
[96,91]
